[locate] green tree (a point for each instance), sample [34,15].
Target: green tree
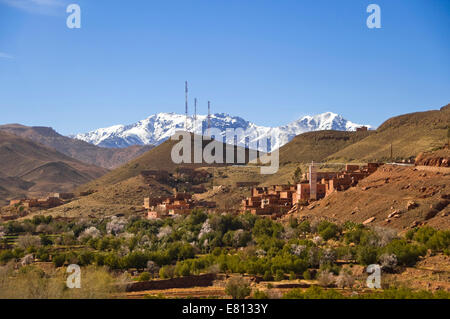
[279,275]
[297,176]
[327,230]
[238,288]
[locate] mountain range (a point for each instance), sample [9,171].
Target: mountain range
[32,169]
[85,152]
[38,160]
[159,127]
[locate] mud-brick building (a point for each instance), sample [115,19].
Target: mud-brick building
[178,204]
[47,202]
[304,192]
[271,201]
[279,199]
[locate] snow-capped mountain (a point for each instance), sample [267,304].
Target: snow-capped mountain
[159,127]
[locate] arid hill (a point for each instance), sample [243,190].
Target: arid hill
[394,196]
[409,134]
[29,168]
[317,146]
[126,197]
[159,157]
[85,152]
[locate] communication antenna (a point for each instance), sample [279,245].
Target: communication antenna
[186,94]
[195,113]
[209,116]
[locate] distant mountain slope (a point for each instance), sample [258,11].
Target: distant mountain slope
[80,150]
[29,168]
[158,157]
[409,134]
[159,127]
[317,146]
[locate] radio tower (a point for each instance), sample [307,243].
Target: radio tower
[186,94]
[209,116]
[195,113]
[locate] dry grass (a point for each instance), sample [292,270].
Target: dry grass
[31,282]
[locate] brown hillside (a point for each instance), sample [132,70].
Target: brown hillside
[80,150]
[317,146]
[126,197]
[409,134]
[157,158]
[29,168]
[389,192]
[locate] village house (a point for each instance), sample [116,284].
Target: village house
[274,200]
[178,204]
[47,202]
[277,200]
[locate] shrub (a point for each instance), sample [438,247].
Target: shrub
[307,275]
[28,241]
[258,294]
[136,259]
[279,275]
[6,256]
[366,255]
[59,260]
[167,272]
[410,233]
[384,235]
[237,288]
[326,279]
[46,240]
[327,230]
[361,236]
[91,232]
[423,234]
[267,276]
[304,227]
[145,276]
[182,269]
[86,258]
[407,254]
[439,241]
[344,280]
[327,256]
[42,254]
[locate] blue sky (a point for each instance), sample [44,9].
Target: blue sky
[267,61]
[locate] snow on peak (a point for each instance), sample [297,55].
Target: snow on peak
[159,127]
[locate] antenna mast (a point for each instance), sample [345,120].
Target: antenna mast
[195,113]
[186,94]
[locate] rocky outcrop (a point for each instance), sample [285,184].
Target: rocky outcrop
[439,158]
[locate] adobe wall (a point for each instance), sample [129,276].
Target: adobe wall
[180,282]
